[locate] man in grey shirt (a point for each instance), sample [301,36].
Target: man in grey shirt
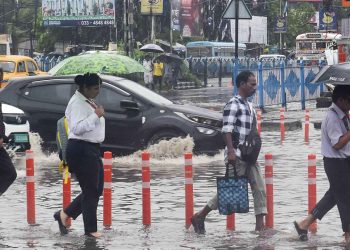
[335,148]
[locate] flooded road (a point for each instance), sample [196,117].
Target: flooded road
[167,197]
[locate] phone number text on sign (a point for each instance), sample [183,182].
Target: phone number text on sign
[96,22]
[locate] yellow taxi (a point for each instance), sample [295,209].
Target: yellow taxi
[18,66]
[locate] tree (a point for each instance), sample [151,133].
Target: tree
[298,22]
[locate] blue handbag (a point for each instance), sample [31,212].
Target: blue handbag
[232,193]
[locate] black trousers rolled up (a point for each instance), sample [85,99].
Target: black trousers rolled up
[8,172]
[338,173]
[84,160]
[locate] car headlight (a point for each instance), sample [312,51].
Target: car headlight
[206,131]
[201,120]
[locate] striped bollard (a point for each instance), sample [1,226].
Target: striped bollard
[269,190]
[231,222]
[307,125]
[258,112]
[107,190]
[282,124]
[66,186]
[312,188]
[188,189]
[146,189]
[30,180]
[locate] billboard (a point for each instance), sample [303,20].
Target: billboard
[152,7]
[280,25]
[78,12]
[328,21]
[191,24]
[251,30]
[175,14]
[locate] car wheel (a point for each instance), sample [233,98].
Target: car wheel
[163,135]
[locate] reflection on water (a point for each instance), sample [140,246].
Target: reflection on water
[167,194]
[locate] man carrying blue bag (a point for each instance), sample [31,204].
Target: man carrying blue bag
[239,124]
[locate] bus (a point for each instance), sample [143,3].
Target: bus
[210,49]
[310,47]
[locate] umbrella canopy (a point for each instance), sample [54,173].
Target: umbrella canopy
[337,74]
[151,48]
[169,57]
[110,64]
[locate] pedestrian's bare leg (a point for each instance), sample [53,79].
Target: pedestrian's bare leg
[259,225]
[306,222]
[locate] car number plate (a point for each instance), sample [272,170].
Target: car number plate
[21,138]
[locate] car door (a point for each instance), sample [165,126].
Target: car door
[21,69]
[32,68]
[45,102]
[121,125]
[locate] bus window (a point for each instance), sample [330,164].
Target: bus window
[321,45]
[199,52]
[305,45]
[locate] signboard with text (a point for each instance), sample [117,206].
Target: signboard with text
[78,12]
[191,18]
[280,24]
[152,7]
[345,3]
[328,21]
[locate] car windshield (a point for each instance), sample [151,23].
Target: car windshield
[8,66]
[141,90]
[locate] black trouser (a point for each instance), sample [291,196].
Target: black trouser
[158,80]
[84,160]
[338,173]
[7,171]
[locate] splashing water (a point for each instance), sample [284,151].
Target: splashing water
[174,147]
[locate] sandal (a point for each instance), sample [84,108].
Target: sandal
[62,228]
[301,232]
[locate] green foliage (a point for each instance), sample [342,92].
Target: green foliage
[187,76]
[296,22]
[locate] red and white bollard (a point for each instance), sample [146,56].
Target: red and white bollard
[66,191]
[30,180]
[188,189]
[231,222]
[146,189]
[269,190]
[107,190]
[312,188]
[282,124]
[258,114]
[307,125]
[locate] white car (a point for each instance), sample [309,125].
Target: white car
[16,128]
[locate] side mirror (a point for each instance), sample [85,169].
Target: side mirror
[129,105]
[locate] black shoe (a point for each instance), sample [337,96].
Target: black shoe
[198,224]
[301,232]
[62,228]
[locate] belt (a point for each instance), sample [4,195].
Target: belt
[86,142]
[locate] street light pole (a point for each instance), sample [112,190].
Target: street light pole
[236,28]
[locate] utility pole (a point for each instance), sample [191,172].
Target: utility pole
[280,32]
[125,26]
[171,28]
[131,24]
[152,23]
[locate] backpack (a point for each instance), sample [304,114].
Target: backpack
[62,140]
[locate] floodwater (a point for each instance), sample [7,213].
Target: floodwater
[167,230]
